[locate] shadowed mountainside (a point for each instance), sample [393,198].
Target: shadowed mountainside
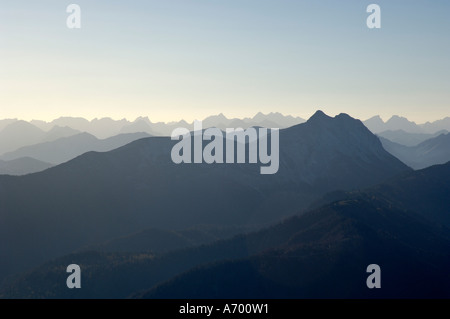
[22,166]
[408,139]
[430,152]
[323,253]
[101,196]
[67,148]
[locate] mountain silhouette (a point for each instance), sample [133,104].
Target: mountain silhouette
[139,125]
[6,122]
[106,127]
[22,166]
[67,148]
[270,120]
[329,151]
[430,152]
[322,253]
[402,123]
[57,132]
[325,252]
[100,196]
[77,123]
[100,128]
[327,256]
[18,134]
[376,125]
[408,139]
[439,125]
[21,133]
[275,117]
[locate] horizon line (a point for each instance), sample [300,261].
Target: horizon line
[91,119]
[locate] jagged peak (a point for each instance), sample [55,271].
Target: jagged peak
[319,116]
[375,118]
[398,118]
[142,119]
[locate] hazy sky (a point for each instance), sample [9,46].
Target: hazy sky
[173,59]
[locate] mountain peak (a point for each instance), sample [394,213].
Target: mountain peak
[21,125]
[344,116]
[376,119]
[399,122]
[259,117]
[319,116]
[142,119]
[398,119]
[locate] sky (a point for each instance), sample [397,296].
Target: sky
[188,59]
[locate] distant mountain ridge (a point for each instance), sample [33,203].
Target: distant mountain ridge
[22,166]
[141,226]
[430,152]
[409,139]
[100,196]
[15,134]
[20,133]
[67,148]
[376,125]
[107,127]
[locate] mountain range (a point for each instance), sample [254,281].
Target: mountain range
[99,196]
[400,225]
[409,139]
[377,125]
[65,138]
[430,152]
[37,145]
[107,127]
[22,166]
[20,133]
[67,148]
